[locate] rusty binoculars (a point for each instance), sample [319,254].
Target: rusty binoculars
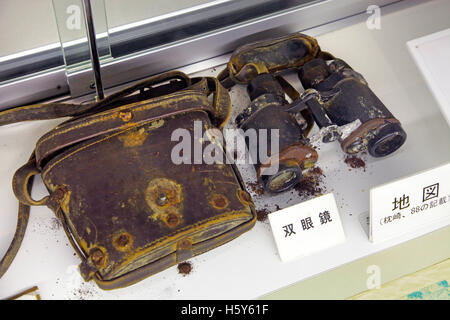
[336,98]
[346,109]
[269,110]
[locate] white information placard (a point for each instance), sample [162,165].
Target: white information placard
[307,227]
[416,204]
[431,54]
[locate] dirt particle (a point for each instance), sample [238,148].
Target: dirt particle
[355,162]
[257,188]
[235,155]
[55,224]
[185,268]
[316,171]
[311,183]
[261,214]
[84,292]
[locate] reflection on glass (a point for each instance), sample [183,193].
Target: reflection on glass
[72,32]
[126,27]
[162,22]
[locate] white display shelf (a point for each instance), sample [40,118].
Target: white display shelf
[249,267]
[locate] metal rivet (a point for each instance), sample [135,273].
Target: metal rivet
[97,257]
[59,194]
[162,199]
[184,244]
[173,220]
[123,240]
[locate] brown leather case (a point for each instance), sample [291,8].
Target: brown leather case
[127,209]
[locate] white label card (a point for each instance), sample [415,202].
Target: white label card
[416,204]
[307,227]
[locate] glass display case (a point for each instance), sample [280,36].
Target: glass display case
[137,39]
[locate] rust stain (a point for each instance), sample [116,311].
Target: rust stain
[59,194]
[294,155]
[134,138]
[172,219]
[184,244]
[65,202]
[207,181]
[123,241]
[219,201]
[125,115]
[165,199]
[98,257]
[244,197]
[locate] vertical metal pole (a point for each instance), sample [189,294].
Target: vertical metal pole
[93,48]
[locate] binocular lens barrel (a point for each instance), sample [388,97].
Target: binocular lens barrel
[345,97]
[267,112]
[285,179]
[388,139]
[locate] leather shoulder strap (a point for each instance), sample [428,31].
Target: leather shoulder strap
[59,110]
[268,56]
[22,223]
